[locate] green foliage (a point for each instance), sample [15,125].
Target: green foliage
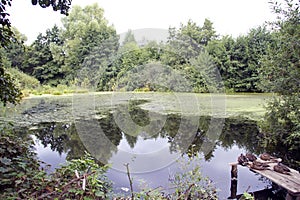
[282,125]
[60,5]
[15,50]
[86,51]
[9,92]
[22,177]
[183,44]
[20,174]
[190,184]
[129,37]
[127,58]
[85,29]
[97,185]
[246,196]
[155,76]
[281,74]
[239,60]
[60,89]
[207,74]
[5,28]
[97,70]
[22,80]
[280,70]
[40,61]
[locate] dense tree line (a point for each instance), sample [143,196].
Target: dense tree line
[86,51]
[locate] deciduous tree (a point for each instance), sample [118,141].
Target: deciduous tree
[280,73]
[84,30]
[9,91]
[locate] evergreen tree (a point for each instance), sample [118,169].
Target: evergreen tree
[129,37]
[40,62]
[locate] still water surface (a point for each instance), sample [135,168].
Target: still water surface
[151,132]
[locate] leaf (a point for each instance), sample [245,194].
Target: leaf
[5,161]
[72,190]
[99,194]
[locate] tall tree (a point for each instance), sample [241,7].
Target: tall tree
[238,60]
[129,37]
[183,44]
[97,69]
[259,41]
[84,29]
[15,51]
[220,50]
[40,62]
[187,42]
[280,73]
[9,91]
[208,32]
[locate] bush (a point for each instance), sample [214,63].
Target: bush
[23,80]
[20,175]
[22,178]
[9,92]
[47,89]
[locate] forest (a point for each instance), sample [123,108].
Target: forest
[86,53]
[87,42]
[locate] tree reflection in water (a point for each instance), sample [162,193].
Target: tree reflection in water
[64,137]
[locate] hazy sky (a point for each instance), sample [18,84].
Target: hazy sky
[233,17]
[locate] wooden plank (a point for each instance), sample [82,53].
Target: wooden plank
[289,182]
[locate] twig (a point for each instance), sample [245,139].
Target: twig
[187,192]
[159,187]
[248,188]
[69,183]
[130,180]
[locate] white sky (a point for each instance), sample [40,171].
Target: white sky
[232,17]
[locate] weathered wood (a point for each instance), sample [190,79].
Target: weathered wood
[233,189]
[234,172]
[233,183]
[290,182]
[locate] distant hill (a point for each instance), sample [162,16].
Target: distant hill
[143,36]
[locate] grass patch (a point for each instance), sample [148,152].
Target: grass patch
[46,89]
[57,92]
[81,91]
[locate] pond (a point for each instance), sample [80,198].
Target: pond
[154,133]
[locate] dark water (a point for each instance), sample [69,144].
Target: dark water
[155,145]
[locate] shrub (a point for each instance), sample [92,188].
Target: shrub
[23,80]
[22,178]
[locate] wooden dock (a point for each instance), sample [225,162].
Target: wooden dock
[290,182]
